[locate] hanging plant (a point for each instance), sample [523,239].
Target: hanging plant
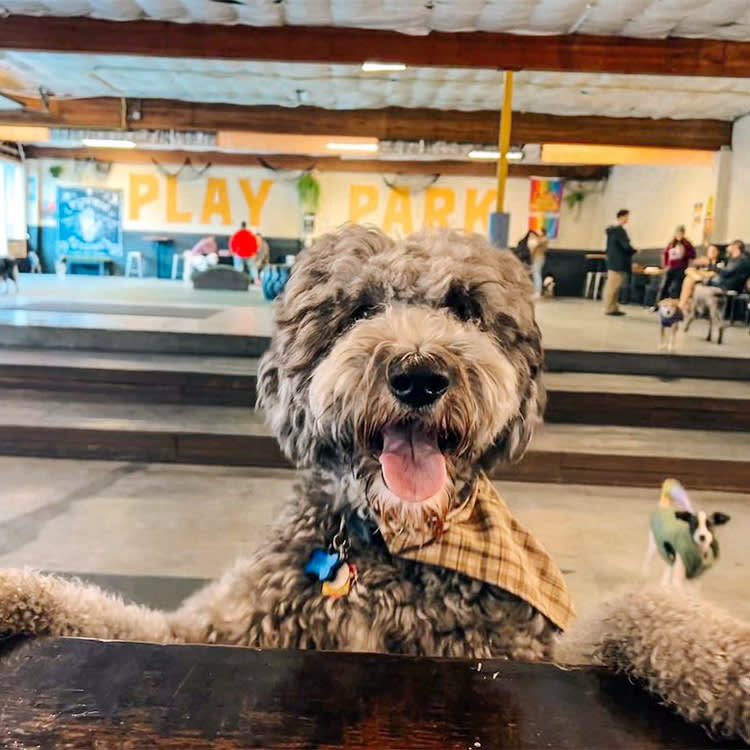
[575,197]
[575,194]
[308,191]
[56,170]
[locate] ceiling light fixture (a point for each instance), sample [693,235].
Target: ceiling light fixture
[344,146]
[493,155]
[107,143]
[382,67]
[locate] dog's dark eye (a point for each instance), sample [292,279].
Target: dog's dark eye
[463,305]
[362,311]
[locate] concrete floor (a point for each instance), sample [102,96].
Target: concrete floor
[567,323]
[155,531]
[232,313]
[573,323]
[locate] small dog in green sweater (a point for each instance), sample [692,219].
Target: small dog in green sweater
[685,540]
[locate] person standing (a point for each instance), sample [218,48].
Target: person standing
[244,247]
[538,256]
[619,255]
[677,256]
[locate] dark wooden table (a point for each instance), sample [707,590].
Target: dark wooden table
[68,693]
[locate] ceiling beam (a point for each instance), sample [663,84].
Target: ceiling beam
[321,163]
[391,123]
[576,52]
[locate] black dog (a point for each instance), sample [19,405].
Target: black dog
[8,273]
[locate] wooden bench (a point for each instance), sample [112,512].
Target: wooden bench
[90,694]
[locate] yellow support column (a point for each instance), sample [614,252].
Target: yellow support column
[499,220]
[506,118]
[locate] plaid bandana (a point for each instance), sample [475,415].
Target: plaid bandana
[482,540]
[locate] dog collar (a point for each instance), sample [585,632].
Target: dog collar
[482,540]
[332,567]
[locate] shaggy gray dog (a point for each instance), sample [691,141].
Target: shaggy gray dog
[429,341]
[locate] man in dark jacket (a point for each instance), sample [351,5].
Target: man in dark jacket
[734,276]
[619,255]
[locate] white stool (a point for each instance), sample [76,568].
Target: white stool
[593,284]
[133,262]
[176,258]
[589,281]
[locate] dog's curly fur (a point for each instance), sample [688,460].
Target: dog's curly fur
[357,303]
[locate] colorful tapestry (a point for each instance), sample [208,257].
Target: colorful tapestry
[545,199]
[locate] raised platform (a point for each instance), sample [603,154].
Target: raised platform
[151,316]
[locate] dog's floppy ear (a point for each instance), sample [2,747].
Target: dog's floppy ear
[684,515]
[517,437]
[718,518]
[512,444]
[283,400]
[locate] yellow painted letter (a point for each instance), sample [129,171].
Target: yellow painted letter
[216,201]
[398,210]
[255,201]
[363,200]
[439,204]
[173,213]
[144,188]
[478,211]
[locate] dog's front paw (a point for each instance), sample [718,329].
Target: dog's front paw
[26,607]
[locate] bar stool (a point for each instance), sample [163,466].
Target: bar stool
[596,273]
[177,258]
[134,262]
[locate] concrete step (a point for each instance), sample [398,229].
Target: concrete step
[616,455]
[638,401]
[143,377]
[574,397]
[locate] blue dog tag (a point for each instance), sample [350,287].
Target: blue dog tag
[323,565]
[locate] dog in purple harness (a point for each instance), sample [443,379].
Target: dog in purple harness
[670,317]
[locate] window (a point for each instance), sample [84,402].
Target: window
[12,204]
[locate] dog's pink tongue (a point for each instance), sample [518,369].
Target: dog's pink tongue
[413,466]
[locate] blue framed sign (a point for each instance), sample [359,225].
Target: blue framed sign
[89,221]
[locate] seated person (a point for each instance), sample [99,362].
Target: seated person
[203,255]
[701,270]
[734,276]
[677,256]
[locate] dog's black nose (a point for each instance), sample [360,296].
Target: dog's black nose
[417,386]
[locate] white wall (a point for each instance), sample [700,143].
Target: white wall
[738,220]
[659,198]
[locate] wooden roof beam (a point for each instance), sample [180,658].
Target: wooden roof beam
[576,52]
[322,163]
[392,123]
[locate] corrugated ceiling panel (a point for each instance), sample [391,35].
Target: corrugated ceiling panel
[345,86]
